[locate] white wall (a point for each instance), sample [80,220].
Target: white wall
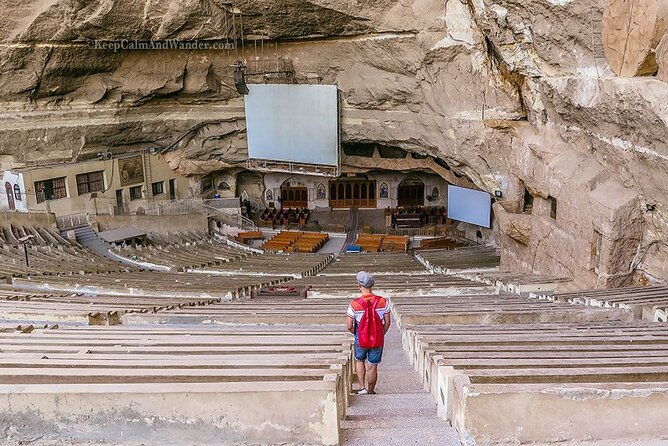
[274,181]
[13,179]
[393,179]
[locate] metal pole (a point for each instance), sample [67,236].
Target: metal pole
[25,250]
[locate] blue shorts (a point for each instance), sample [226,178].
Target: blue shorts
[373,355]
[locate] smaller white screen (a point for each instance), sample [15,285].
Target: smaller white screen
[470,206]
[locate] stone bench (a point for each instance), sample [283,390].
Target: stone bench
[495,309]
[306,371]
[559,373]
[396,285]
[648,303]
[181,414]
[458,259]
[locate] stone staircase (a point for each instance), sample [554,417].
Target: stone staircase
[86,236]
[401,413]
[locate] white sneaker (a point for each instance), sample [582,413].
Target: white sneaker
[361,392]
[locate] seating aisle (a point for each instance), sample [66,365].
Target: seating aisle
[401,412]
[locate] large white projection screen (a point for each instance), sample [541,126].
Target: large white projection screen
[470,206]
[297,123]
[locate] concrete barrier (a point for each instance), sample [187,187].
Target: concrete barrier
[176,414]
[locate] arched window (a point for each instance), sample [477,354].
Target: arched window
[17,192]
[321,192]
[294,194]
[356,191]
[364,191]
[332,191]
[349,191]
[384,191]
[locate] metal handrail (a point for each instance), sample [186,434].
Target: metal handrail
[247,223]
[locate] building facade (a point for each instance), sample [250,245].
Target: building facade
[120,185]
[373,190]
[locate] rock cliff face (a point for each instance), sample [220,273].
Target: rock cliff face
[508,95]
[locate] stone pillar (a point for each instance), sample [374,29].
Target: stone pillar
[616,215]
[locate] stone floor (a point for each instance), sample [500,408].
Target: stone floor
[375,217]
[333,245]
[401,413]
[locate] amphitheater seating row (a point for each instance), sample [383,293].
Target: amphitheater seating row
[10,235]
[495,309]
[385,263]
[153,283]
[259,310]
[474,257]
[648,303]
[101,309]
[559,373]
[442,243]
[416,286]
[519,283]
[265,382]
[179,256]
[293,264]
[65,258]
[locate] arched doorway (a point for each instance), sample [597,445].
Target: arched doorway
[411,192]
[10,196]
[294,194]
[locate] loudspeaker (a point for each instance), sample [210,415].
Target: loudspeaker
[240,80]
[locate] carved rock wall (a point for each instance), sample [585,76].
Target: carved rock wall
[508,94]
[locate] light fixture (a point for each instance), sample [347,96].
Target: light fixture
[650,207]
[240,78]
[498,194]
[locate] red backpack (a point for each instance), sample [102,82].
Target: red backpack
[370,329]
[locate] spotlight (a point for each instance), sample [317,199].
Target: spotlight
[498,194]
[650,207]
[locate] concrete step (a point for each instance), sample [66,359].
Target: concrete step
[401,413]
[387,402]
[421,432]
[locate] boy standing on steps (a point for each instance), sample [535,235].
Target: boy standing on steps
[369,328]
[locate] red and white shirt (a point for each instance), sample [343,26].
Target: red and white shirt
[356,310]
